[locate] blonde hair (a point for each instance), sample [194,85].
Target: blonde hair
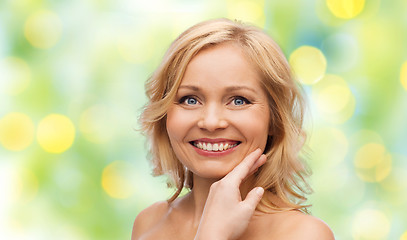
[284,173]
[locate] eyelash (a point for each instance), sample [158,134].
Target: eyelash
[184,99]
[245,100]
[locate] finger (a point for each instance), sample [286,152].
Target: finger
[257,165]
[243,169]
[253,198]
[262,159]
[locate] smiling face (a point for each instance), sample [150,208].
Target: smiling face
[220,113]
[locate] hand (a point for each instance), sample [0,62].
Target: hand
[226,215]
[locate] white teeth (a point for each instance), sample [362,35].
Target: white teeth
[209,147]
[215,147]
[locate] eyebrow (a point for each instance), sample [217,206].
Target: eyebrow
[231,88]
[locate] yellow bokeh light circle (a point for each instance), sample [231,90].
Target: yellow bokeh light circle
[114,181]
[403,75]
[309,64]
[334,99]
[370,224]
[373,163]
[43,29]
[404,236]
[16,75]
[247,11]
[16,131]
[55,133]
[346,9]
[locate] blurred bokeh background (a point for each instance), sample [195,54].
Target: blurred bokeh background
[72,165]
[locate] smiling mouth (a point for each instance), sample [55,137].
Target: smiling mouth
[214,147]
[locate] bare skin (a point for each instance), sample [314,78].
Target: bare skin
[221,101]
[216,211]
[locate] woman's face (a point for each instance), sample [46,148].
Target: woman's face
[220,113]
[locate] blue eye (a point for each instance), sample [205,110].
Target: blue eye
[188,100]
[191,101]
[238,101]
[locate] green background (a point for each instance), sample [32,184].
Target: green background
[88,61]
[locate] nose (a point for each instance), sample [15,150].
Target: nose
[212,118]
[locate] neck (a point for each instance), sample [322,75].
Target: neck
[198,195]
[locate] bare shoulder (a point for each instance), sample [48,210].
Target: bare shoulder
[148,218]
[298,225]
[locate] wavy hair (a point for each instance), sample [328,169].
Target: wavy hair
[284,173]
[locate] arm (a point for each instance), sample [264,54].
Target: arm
[226,215]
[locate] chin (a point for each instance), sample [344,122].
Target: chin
[212,173]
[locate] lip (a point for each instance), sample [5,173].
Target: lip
[214,140]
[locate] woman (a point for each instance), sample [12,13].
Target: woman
[224,120]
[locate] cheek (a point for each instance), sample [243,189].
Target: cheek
[178,122]
[173,126]
[255,127]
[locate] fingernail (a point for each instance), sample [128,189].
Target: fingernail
[260,191]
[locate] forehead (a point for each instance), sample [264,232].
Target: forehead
[225,63]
